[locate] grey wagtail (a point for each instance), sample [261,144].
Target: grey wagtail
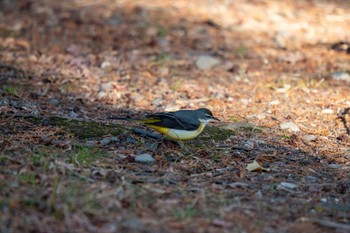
[179,125]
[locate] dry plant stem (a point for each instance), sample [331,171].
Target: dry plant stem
[343,119]
[327,223]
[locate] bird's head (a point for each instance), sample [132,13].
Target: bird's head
[205,115]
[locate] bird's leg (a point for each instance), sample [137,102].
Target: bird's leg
[183,147]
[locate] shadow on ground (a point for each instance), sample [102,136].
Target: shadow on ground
[64,166]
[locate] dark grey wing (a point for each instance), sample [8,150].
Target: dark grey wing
[170,120]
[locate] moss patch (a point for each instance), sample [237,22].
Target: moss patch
[216,133]
[80,129]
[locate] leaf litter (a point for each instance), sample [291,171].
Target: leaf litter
[64,165]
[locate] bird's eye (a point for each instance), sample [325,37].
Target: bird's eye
[207,115]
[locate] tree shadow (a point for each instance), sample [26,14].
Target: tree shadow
[210,182]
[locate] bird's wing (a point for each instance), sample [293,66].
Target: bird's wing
[169,120]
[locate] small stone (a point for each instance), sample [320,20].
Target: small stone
[274,102]
[115,139]
[105,64]
[15,104]
[309,137]
[206,62]
[144,158]
[90,143]
[134,225]
[163,71]
[290,125]
[222,223]
[53,102]
[115,20]
[245,101]
[258,195]
[77,143]
[59,142]
[260,116]
[334,165]
[73,114]
[283,89]
[101,94]
[105,141]
[310,178]
[29,106]
[327,111]
[122,156]
[106,87]
[231,67]
[248,145]
[288,185]
[281,38]
[343,76]
[131,140]
[170,108]
[258,141]
[45,138]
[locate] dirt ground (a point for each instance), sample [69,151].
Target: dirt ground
[276,73]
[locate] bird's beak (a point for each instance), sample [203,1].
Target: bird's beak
[214,118]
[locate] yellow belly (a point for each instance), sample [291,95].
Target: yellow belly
[178,134]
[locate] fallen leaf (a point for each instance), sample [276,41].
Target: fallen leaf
[254,166]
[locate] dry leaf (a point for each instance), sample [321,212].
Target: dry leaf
[254,166]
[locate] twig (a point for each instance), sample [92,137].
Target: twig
[341,116]
[327,223]
[215,172]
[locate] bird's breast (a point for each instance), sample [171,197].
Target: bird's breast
[179,134]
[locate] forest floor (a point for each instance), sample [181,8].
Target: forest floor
[274,72]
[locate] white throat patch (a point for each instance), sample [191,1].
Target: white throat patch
[205,121]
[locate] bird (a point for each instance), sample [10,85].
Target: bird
[178,125]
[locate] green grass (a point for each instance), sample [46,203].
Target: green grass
[217,157]
[13,90]
[83,156]
[177,85]
[188,212]
[241,51]
[27,178]
[163,58]
[162,31]
[44,155]
[3,160]
[235,119]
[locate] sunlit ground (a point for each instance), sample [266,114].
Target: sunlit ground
[268,69]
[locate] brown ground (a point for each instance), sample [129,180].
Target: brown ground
[87,59]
